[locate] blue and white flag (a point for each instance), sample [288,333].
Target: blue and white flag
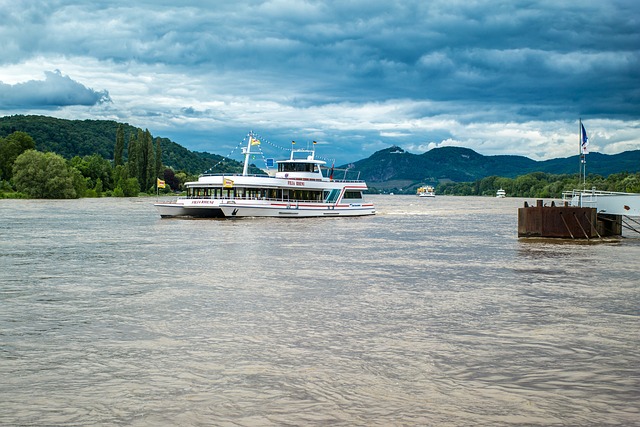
[585,140]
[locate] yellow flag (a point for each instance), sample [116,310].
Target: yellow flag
[254,141]
[228,183]
[160,183]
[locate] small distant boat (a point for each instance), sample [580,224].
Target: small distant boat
[426,191]
[501,194]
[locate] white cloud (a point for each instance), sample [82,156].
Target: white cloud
[508,78]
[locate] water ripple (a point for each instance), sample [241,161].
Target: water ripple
[429,313]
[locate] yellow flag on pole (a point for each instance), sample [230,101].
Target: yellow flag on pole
[160,183]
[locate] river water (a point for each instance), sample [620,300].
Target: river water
[432,312]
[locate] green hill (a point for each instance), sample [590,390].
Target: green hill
[71,138]
[464,165]
[391,166]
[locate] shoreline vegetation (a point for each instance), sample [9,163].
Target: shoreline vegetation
[134,171]
[28,173]
[540,185]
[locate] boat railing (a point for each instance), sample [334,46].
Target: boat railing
[232,174]
[354,181]
[268,199]
[348,181]
[588,198]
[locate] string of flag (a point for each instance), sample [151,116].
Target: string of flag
[258,140]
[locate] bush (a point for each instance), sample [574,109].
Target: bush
[43,176]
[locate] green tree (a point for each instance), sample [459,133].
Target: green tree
[133,154]
[141,158]
[79,182]
[43,176]
[119,147]
[120,173]
[159,171]
[98,188]
[10,148]
[149,167]
[94,167]
[131,187]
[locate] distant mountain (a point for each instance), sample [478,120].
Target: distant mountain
[71,138]
[392,165]
[464,165]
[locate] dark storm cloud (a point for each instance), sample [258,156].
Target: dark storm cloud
[375,71]
[54,91]
[517,52]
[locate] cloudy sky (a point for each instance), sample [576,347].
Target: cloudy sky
[499,77]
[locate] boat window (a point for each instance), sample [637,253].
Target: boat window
[331,197]
[296,167]
[353,195]
[306,195]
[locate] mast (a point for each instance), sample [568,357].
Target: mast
[247,152]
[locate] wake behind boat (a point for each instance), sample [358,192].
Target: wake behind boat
[298,189]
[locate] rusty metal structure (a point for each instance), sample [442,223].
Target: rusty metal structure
[565,222]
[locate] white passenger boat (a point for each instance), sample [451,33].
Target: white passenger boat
[298,189]
[501,194]
[426,191]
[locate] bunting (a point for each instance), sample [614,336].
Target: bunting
[260,141]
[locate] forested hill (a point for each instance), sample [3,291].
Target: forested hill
[465,165]
[71,138]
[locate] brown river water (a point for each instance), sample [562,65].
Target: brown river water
[431,312]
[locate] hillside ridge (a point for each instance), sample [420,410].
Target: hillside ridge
[71,138]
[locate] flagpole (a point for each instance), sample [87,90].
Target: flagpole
[583,163]
[584,155]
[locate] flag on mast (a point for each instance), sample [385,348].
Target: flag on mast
[160,183]
[585,140]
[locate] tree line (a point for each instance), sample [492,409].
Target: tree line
[26,172]
[541,185]
[71,138]
[137,162]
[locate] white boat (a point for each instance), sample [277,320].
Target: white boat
[298,189]
[501,194]
[426,191]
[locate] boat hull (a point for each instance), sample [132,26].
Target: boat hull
[170,210]
[293,210]
[239,209]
